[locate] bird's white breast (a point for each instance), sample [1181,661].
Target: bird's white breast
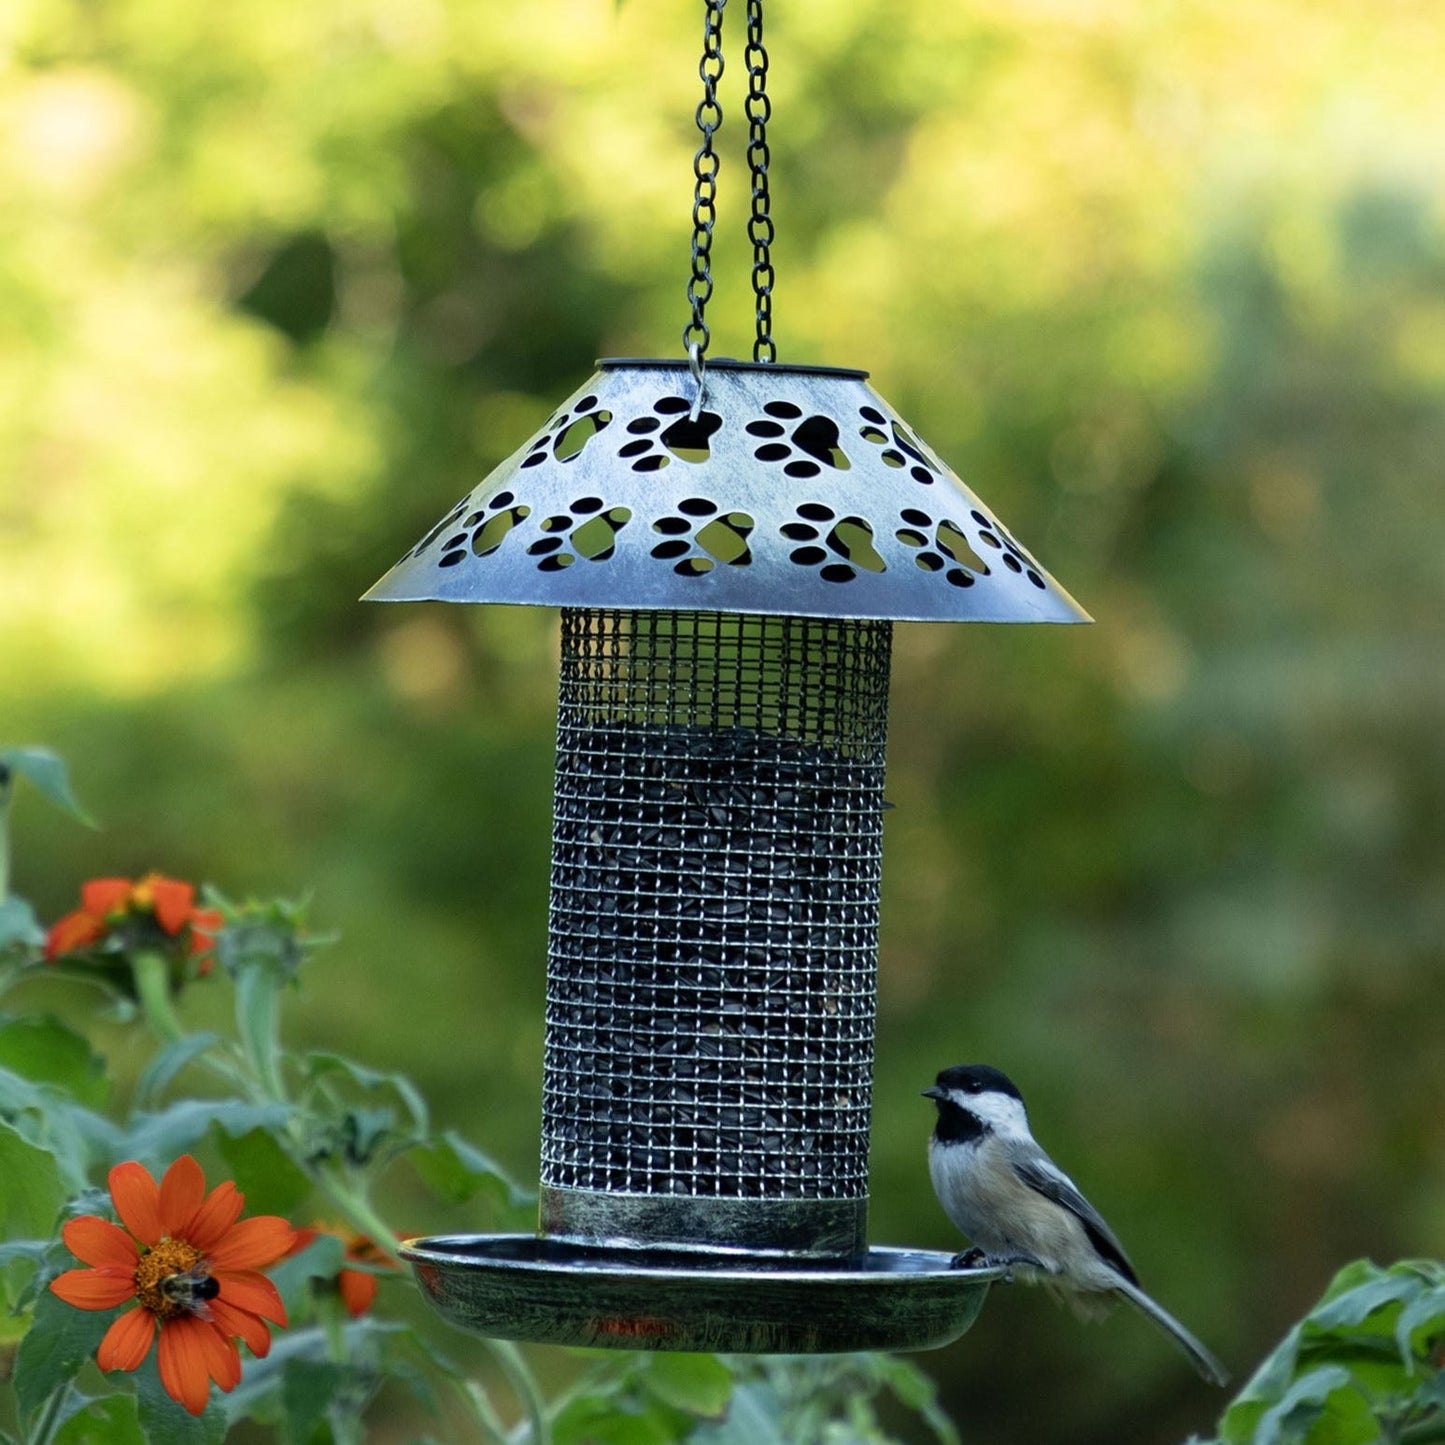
[985,1198]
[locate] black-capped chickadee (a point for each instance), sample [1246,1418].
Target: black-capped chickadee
[1023,1211]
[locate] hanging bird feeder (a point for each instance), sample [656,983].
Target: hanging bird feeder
[729,543]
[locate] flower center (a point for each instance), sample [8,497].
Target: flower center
[171,1279]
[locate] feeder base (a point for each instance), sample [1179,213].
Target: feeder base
[521,1287]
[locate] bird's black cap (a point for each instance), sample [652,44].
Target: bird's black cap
[978,1079]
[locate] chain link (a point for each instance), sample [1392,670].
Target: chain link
[695,335]
[759,110]
[760,222]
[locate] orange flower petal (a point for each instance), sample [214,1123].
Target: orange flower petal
[357,1291]
[102,896]
[127,1342]
[183,1362]
[211,1221]
[75,930]
[100,1243]
[95,1289]
[248,1290]
[183,1191]
[237,1322]
[205,925]
[305,1236]
[223,1359]
[173,902]
[137,1201]
[260,1240]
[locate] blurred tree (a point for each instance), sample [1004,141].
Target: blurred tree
[278,283]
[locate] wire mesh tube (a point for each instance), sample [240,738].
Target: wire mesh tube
[711,985]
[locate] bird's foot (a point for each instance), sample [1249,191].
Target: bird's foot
[980,1259]
[969,1259]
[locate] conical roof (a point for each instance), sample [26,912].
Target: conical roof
[789,490]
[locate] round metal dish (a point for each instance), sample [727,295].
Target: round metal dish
[522,1287]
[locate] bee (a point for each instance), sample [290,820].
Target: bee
[190,1290]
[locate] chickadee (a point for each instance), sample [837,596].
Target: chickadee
[1023,1211]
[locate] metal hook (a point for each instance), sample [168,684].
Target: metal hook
[697,364]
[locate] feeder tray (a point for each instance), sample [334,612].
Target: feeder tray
[730,543]
[539,1290]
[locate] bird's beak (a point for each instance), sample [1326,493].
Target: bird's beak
[935,1093]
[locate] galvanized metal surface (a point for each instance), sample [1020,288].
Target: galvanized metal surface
[795,490]
[530,1289]
[795,1228]
[712,959]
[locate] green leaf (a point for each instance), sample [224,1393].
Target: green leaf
[1420,1322]
[42,1048]
[103,1420]
[916,1388]
[20,1259]
[698,1384]
[308,1389]
[264,1172]
[752,1419]
[606,1420]
[19,925]
[158,1139]
[164,1422]
[321,1064]
[1347,1309]
[30,1190]
[61,1339]
[46,770]
[455,1170]
[162,1070]
[48,1119]
[1300,1406]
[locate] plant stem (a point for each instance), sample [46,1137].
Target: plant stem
[480,1409]
[41,1432]
[7,785]
[1427,1432]
[356,1209]
[519,1377]
[153,987]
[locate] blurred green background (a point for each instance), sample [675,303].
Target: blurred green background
[1165,282]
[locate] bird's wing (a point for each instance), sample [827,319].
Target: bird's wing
[1040,1173]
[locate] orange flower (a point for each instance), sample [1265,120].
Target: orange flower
[357,1287]
[192,1269]
[109,904]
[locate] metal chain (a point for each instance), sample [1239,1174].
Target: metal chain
[760,222]
[695,334]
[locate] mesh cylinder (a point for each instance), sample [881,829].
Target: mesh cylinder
[712,958]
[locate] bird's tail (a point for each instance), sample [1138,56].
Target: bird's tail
[1203,1361]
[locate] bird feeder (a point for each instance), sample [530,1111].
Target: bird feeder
[729,543]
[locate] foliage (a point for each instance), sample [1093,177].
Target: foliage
[1365,1365]
[298,1130]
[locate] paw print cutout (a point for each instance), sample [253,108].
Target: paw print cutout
[587,529]
[901,448]
[816,437]
[700,536]
[940,543]
[991,534]
[837,546]
[657,440]
[485,530]
[569,434]
[449,523]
